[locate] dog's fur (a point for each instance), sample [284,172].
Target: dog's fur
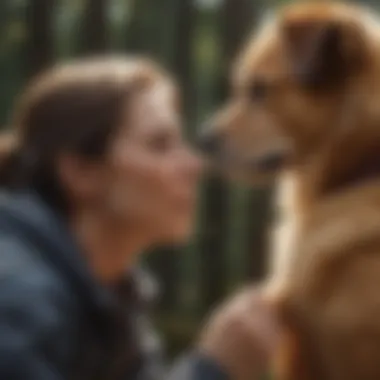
[307,90]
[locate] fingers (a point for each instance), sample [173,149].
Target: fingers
[243,333]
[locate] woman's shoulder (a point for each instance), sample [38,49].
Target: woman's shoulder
[26,282]
[32,251]
[37,315]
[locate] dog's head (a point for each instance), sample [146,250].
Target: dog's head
[293,89]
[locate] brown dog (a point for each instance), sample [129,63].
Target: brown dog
[306,109]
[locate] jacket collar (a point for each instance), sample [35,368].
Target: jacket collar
[27,215]
[32,220]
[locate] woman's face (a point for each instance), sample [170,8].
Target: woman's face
[152,172]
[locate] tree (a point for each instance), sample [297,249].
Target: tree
[95,31]
[183,58]
[146,28]
[237,20]
[40,44]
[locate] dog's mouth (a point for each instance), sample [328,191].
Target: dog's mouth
[233,162]
[263,166]
[273,161]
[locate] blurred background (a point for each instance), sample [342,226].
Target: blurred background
[197,40]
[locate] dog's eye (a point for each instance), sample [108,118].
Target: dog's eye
[258,90]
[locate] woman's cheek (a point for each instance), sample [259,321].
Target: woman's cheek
[138,197]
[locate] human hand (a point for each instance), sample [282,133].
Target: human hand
[242,335]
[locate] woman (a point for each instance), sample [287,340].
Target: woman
[96,171]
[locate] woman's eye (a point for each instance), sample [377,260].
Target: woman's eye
[258,90]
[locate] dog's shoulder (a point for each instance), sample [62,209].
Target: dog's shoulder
[336,232]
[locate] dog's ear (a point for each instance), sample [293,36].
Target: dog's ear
[323,53]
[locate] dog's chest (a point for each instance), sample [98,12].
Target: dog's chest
[283,236]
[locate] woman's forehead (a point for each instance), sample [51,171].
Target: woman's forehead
[154,107]
[163,95]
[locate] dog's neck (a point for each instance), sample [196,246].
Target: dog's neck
[340,166]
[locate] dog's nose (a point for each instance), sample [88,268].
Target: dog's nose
[209,143]
[271,161]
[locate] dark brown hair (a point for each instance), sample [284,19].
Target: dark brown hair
[74,108]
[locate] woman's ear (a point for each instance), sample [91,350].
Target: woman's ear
[82,179]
